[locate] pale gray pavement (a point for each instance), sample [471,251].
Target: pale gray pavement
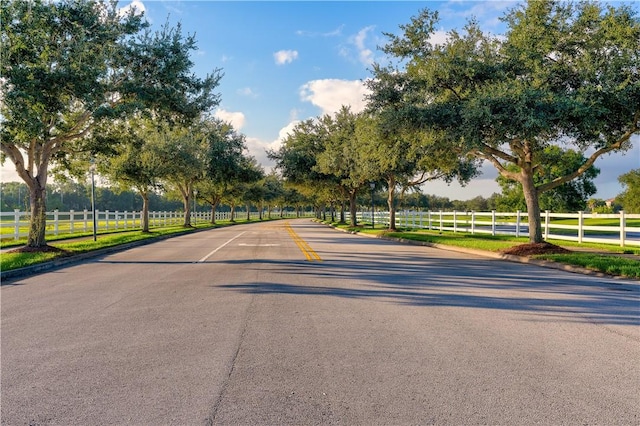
[234,326]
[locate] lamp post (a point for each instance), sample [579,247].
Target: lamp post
[92,168]
[372,185]
[195,217]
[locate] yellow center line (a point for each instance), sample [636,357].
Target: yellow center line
[304,247]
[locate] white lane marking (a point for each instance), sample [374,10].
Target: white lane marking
[259,245]
[214,251]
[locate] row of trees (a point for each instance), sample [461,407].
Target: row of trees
[541,104]
[272,191]
[84,85]
[82,81]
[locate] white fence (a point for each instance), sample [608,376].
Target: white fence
[554,225]
[15,224]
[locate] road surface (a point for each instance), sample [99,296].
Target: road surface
[295,323]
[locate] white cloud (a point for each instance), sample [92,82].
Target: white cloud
[285,56]
[136,5]
[365,55]
[258,148]
[439,37]
[333,33]
[246,91]
[331,94]
[237,119]
[361,46]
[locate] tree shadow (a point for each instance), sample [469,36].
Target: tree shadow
[433,282]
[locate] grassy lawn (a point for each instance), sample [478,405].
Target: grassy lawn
[70,244]
[606,261]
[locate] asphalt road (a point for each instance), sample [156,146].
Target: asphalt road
[301,324]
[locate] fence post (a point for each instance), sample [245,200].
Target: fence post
[125,219]
[623,224]
[473,222]
[429,213]
[117,218]
[85,218]
[546,224]
[580,226]
[455,221]
[55,221]
[16,224]
[518,213]
[71,217]
[106,218]
[493,222]
[441,223]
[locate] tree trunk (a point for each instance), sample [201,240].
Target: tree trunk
[343,213]
[145,210]
[214,206]
[38,222]
[186,203]
[233,213]
[248,212]
[533,207]
[353,208]
[391,202]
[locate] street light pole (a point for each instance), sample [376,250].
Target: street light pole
[372,185]
[92,168]
[195,218]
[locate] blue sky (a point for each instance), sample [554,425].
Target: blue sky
[285,61]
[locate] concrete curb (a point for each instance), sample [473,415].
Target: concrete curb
[494,255]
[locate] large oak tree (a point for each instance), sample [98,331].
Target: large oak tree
[68,65]
[565,74]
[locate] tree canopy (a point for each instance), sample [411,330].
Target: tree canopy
[565,74]
[60,80]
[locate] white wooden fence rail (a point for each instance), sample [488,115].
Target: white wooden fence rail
[15,224]
[496,223]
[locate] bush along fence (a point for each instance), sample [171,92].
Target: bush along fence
[621,228]
[15,225]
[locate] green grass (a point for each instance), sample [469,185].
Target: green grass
[70,245]
[613,265]
[608,263]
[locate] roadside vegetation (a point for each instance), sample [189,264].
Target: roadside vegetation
[605,258]
[74,244]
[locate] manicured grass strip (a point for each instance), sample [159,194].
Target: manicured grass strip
[613,265]
[478,242]
[11,261]
[606,263]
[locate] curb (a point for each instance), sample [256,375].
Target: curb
[500,256]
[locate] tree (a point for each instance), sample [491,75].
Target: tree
[344,157]
[184,152]
[273,191]
[135,159]
[406,159]
[571,196]
[630,197]
[565,74]
[297,161]
[225,162]
[67,66]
